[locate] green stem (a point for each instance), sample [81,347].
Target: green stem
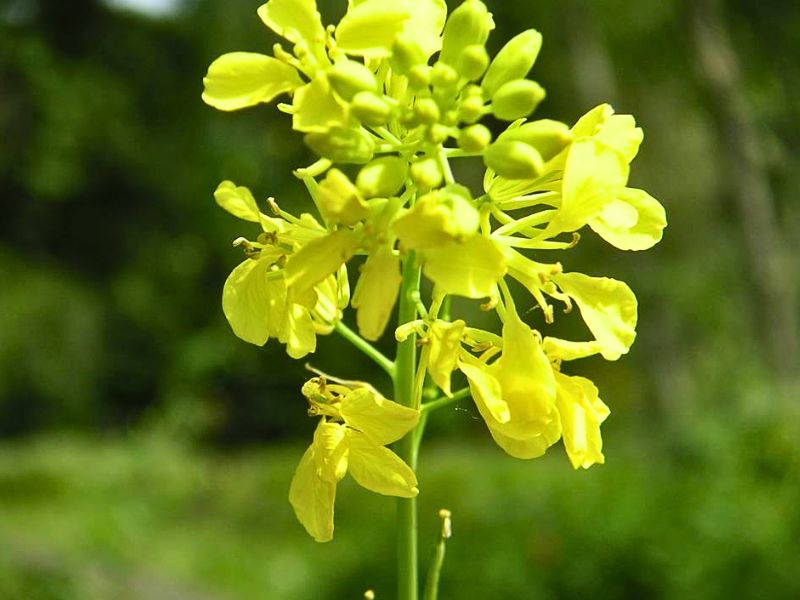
[408,586]
[367,348]
[440,402]
[432,581]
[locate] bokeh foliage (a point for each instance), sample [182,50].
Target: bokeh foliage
[112,258]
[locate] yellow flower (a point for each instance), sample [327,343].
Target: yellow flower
[516,395]
[350,438]
[257,298]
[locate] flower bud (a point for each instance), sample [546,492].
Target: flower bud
[468,24]
[342,145]
[437,218]
[426,173]
[474,138]
[437,134]
[517,99]
[349,77]
[406,54]
[339,200]
[426,110]
[443,75]
[547,136]
[382,177]
[419,77]
[513,160]
[371,109]
[470,109]
[514,60]
[472,62]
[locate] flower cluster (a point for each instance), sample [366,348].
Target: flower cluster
[385,100]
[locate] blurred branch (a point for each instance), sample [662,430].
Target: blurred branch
[766,254]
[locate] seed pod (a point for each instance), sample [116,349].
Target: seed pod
[474,138]
[426,173]
[517,99]
[468,24]
[382,177]
[547,136]
[514,61]
[349,77]
[371,109]
[472,62]
[513,160]
[339,200]
[342,145]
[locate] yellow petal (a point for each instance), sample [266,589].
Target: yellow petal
[487,393]
[558,349]
[594,175]
[471,268]
[378,418]
[339,200]
[581,412]
[526,379]
[445,342]
[533,446]
[240,79]
[379,469]
[370,28]
[620,132]
[640,233]
[426,27]
[608,308]
[318,259]
[436,219]
[316,107]
[376,292]
[300,335]
[312,499]
[296,20]
[246,301]
[331,450]
[238,201]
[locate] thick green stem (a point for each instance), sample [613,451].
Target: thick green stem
[404,373]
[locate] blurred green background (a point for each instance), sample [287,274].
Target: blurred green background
[146,452]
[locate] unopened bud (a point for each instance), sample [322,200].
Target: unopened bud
[419,77]
[513,160]
[437,218]
[437,134]
[371,109]
[468,24]
[406,54]
[514,60]
[382,177]
[470,109]
[472,62]
[426,110]
[547,136]
[517,99]
[426,173]
[342,145]
[349,77]
[339,200]
[443,75]
[474,138]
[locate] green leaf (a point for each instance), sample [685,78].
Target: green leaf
[241,79]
